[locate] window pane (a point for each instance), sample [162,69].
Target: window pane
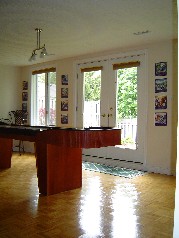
[41,99]
[52,98]
[92,93]
[127,105]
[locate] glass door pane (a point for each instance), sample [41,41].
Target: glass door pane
[92,94]
[126,113]
[130,112]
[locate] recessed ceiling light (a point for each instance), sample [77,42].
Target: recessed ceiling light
[141,32]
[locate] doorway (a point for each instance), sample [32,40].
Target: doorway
[121,103]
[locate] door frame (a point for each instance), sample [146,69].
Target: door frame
[124,158]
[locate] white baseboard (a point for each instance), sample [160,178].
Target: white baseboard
[160,170]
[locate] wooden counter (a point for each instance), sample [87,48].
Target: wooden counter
[58,152]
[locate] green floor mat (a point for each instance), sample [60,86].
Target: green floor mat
[123,172]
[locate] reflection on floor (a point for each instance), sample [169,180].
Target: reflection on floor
[106,206]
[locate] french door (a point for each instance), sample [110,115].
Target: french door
[100,68]
[108,105]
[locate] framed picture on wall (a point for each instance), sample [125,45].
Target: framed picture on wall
[64,79]
[161,85]
[64,105]
[161,102]
[64,92]
[24,96]
[64,118]
[24,85]
[24,107]
[161,69]
[161,119]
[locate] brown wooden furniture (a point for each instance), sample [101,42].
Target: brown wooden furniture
[18,117]
[58,151]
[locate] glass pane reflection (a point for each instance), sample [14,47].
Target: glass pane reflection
[119,203]
[123,206]
[90,210]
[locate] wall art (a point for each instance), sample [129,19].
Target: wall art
[160,102]
[24,107]
[64,118]
[24,96]
[161,69]
[64,79]
[64,105]
[64,92]
[161,119]
[161,85]
[24,85]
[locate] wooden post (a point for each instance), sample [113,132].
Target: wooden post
[5,153]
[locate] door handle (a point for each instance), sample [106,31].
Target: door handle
[103,115]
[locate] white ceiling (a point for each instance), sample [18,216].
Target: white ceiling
[77,27]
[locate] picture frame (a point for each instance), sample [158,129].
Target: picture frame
[161,119]
[161,69]
[64,118]
[64,79]
[24,107]
[161,102]
[161,85]
[64,105]
[24,96]
[25,85]
[64,92]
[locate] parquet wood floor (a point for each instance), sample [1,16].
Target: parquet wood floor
[106,206]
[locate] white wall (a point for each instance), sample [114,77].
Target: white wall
[10,89]
[159,138]
[176,214]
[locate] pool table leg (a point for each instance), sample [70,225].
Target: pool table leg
[5,153]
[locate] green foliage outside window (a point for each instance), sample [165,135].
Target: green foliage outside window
[127,91]
[92,86]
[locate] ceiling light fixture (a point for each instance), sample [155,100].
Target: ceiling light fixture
[42,48]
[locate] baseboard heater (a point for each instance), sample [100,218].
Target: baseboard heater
[107,158]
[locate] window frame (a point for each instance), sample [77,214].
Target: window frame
[34,113]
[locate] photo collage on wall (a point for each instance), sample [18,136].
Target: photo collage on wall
[161,94]
[64,99]
[24,100]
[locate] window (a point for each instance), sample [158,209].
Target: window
[92,96]
[43,98]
